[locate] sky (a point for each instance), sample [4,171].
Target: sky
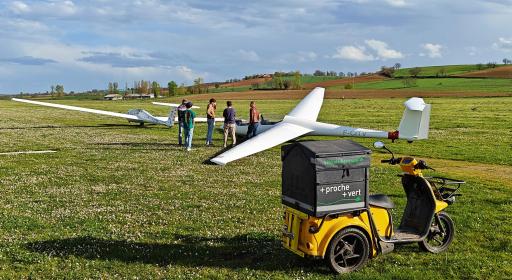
[84,45]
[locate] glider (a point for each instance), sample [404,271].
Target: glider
[134,115]
[302,121]
[174,105]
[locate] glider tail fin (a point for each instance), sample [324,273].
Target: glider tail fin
[415,120]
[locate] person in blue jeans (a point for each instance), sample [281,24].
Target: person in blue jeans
[210,119]
[181,115]
[188,125]
[254,121]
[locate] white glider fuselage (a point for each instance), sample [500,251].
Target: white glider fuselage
[320,129]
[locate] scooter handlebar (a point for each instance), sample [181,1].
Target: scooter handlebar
[391,161]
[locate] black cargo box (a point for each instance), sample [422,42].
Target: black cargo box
[324,177]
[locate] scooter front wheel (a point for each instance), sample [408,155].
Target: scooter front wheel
[347,251]
[440,234]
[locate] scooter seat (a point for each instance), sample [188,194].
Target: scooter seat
[381,200]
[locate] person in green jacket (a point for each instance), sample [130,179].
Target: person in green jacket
[188,125]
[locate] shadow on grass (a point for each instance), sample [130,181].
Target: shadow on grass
[259,251]
[209,162]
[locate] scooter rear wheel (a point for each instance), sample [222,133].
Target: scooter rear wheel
[440,235]
[348,251]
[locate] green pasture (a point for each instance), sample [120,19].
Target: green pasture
[122,201]
[430,71]
[441,84]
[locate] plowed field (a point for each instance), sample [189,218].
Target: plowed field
[499,72]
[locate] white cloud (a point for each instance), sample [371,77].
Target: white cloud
[44,8]
[433,50]
[359,53]
[353,53]
[397,3]
[186,72]
[306,56]
[299,56]
[19,7]
[383,52]
[248,55]
[23,25]
[504,44]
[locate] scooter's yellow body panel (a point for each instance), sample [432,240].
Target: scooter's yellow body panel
[301,241]
[382,221]
[440,205]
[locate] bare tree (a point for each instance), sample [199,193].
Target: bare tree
[198,83]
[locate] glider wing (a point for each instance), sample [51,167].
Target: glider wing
[81,109]
[309,107]
[274,136]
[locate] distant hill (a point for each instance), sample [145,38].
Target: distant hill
[447,70]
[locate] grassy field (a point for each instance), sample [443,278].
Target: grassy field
[441,84]
[430,71]
[122,201]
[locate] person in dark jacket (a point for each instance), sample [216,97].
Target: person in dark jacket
[229,115]
[254,121]
[188,125]
[181,116]
[210,119]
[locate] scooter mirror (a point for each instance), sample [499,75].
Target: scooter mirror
[378,145]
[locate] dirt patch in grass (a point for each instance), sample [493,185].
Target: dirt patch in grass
[498,72]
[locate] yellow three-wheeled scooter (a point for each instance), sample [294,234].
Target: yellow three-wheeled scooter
[346,240]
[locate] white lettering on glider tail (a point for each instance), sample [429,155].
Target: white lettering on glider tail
[348,132]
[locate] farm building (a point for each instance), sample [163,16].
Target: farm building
[139,96]
[113,97]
